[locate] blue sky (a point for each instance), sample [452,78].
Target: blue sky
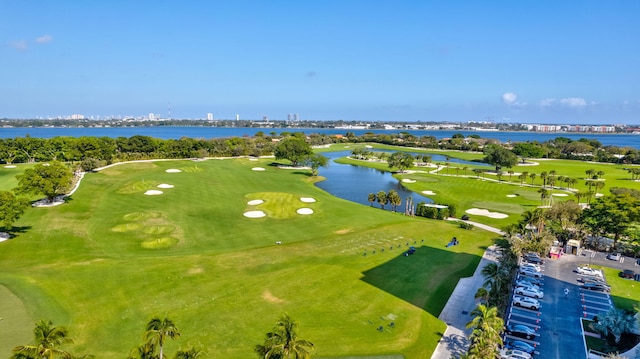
[508,61]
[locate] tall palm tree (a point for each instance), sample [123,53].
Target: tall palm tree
[371,198]
[159,330]
[615,322]
[48,339]
[191,353]
[283,342]
[485,337]
[532,176]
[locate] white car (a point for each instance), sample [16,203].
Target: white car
[527,286]
[526,302]
[530,272]
[589,271]
[529,292]
[530,266]
[514,354]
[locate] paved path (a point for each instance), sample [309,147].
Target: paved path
[456,312]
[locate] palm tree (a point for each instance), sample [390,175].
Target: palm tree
[544,175]
[487,326]
[159,330]
[191,353]
[382,198]
[371,198]
[464,169]
[283,342]
[532,176]
[48,338]
[511,172]
[394,199]
[544,194]
[615,322]
[145,351]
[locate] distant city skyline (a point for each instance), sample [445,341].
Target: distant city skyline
[521,62]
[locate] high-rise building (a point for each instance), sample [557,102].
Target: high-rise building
[290,117]
[296,117]
[237,117]
[209,116]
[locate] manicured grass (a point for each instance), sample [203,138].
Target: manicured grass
[111,258]
[625,293]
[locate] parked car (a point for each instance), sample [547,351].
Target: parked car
[514,354]
[409,251]
[614,256]
[527,284]
[520,345]
[519,330]
[530,272]
[598,287]
[591,279]
[531,266]
[529,292]
[627,273]
[532,280]
[532,257]
[526,302]
[589,271]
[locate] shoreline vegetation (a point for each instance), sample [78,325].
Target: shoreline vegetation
[226,276]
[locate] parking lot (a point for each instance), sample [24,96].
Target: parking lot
[558,331]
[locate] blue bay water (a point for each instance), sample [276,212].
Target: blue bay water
[166,132]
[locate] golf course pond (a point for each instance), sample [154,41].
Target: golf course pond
[355,183]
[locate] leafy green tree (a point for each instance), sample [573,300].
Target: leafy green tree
[613,215]
[485,337]
[11,208]
[283,342]
[158,331]
[293,149]
[400,160]
[499,156]
[528,150]
[48,340]
[382,199]
[316,161]
[51,181]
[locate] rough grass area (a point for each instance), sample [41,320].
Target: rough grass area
[106,262]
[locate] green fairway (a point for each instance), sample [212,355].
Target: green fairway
[112,257]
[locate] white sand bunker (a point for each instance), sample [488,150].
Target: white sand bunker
[486,213]
[599,195]
[257,169]
[253,159]
[428,193]
[304,211]
[368,146]
[406,180]
[9,166]
[153,192]
[173,170]
[307,199]
[4,236]
[254,214]
[255,202]
[164,185]
[560,194]
[512,195]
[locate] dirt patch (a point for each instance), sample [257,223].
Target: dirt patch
[196,270]
[343,231]
[266,295]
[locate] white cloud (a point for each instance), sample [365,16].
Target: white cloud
[19,45]
[44,39]
[547,102]
[509,98]
[575,102]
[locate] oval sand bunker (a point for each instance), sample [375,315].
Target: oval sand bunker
[255,202]
[257,169]
[307,199]
[153,192]
[173,170]
[304,211]
[406,180]
[254,214]
[164,185]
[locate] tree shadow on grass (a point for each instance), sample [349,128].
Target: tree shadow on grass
[425,279]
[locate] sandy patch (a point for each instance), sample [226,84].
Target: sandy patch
[428,193]
[304,211]
[486,213]
[560,194]
[599,195]
[512,195]
[4,236]
[255,202]
[307,199]
[153,192]
[45,202]
[367,146]
[164,185]
[257,169]
[343,231]
[271,298]
[253,159]
[9,166]
[254,214]
[406,180]
[196,270]
[173,170]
